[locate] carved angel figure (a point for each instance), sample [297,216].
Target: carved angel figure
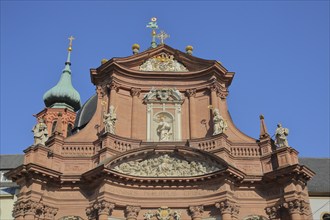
[40,132]
[281,136]
[219,124]
[109,120]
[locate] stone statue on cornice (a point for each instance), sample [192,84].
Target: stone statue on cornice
[281,136]
[109,120]
[40,132]
[219,124]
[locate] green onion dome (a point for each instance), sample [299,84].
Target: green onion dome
[63,95]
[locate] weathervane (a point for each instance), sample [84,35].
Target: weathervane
[162,36]
[153,25]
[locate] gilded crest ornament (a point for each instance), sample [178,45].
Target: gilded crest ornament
[163,213]
[163,63]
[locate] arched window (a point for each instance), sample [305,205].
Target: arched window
[54,126]
[69,130]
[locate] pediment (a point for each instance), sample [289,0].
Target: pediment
[161,59]
[166,165]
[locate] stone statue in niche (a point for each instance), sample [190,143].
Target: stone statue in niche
[40,132]
[109,120]
[281,136]
[219,124]
[164,130]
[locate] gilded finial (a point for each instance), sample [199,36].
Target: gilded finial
[135,48]
[103,61]
[189,49]
[71,38]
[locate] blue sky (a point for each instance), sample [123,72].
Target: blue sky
[278,49]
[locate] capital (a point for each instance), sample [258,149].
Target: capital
[191,92]
[132,212]
[105,207]
[214,87]
[196,211]
[294,206]
[135,92]
[271,211]
[114,86]
[101,90]
[227,207]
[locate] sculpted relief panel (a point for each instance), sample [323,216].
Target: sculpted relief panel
[167,165]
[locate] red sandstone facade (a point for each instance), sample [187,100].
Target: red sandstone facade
[75,177]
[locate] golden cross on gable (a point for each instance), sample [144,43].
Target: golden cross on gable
[71,38]
[162,36]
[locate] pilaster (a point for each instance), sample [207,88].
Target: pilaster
[191,93]
[114,88]
[214,88]
[135,93]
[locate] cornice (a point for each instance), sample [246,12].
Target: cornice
[34,171]
[296,171]
[137,59]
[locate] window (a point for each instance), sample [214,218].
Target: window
[325,216]
[2,176]
[54,126]
[69,130]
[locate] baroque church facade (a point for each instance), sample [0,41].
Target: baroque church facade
[156,142]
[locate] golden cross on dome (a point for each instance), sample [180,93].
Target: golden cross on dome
[162,36]
[71,38]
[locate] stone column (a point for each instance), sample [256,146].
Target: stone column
[228,209]
[191,93]
[104,209]
[196,212]
[132,212]
[135,93]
